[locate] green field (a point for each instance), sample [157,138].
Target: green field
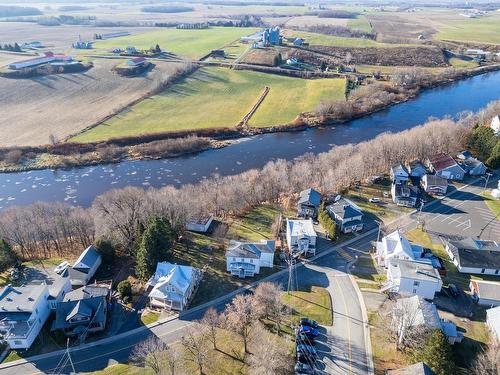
[217,97]
[189,43]
[337,41]
[360,23]
[483,30]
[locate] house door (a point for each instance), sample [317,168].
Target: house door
[241,273]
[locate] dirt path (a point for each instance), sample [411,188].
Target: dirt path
[244,122]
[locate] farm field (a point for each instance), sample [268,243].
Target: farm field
[215,97]
[189,43]
[360,23]
[483,30]
[337,41]
[62,105]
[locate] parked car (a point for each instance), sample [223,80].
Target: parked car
[308,350]
[453,290]
[61,267]
[308,331]
[15,274]
[306,322]
[374,200]
[303,368]
[302,338]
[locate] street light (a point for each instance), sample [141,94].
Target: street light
[487,179]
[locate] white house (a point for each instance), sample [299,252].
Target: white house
[200,224]
[399,174]
[495,124]
[301,237]
[245,259]
[415,311]
[59,288]
[475,256]
[23,312]
[396,246]
[173,286]
[347,215]
[493,321]
[434,184]
[85,267]
[486,293]
[445,166]
[410,277]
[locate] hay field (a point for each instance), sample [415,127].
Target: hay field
[482,30]
[33,109]
[336,41]
[216,97]
[189,43]
[314,20]
[56,38]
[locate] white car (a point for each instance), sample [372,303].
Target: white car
[374,200]
[61,268]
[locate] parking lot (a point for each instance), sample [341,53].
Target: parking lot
[464,213]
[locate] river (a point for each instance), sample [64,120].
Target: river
[79,186]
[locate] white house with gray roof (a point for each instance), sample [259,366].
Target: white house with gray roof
[23,312]
[173,286]
[396,246]
[301,237]
[85,267]
[347,215]
[399,174]
[410,277]
[471,255]
[245,259]
[485,293]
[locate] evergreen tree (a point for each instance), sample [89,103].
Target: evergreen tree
[155,244]
[437,354]
[7,256]
[106,249]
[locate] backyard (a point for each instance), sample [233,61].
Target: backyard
[222,97]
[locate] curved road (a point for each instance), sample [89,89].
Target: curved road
[344,350]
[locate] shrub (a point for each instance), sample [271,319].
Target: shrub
[125,289]
[106,249]
[13,157]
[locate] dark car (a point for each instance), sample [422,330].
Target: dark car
[309,323]
[303,368]
[302,338]
[308,350]
[308,331]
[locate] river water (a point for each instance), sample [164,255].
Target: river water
[79,186]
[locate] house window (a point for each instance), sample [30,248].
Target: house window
[496,272]
[18,342]
[36,311]
[251,260]
[416,283]
[482,271]
[234,259]
[414,291]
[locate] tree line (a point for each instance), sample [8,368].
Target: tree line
[45,229]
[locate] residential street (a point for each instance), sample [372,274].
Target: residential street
[344,352]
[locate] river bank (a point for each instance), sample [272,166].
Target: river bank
[179,144]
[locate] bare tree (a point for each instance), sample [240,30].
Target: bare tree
[240,316]
[270,354]
[267,299]
[404,319]
[488,361]
[196,350]
[156,355]
[211,320]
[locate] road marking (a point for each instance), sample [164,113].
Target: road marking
[345,255]
[468,223]
[454,220]
[348,325]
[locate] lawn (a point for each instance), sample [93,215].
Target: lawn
[482,29]
[188,43]
[149,317]
[214,98]
[459,63]
[255,225]
[493,204]
[120,369]
[311,302]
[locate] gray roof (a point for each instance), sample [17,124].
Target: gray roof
[488,289]
[75,275]
[471,163]
[475,253]
[436,180]
[57,286]
[399,166]
[417,369]
[87,291]
[343,209]
[310,197]
[249,249]
[406,191]
[414,270]
[88,258]
[20,299]
[65,310]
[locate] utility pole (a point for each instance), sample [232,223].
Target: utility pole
[379,229]
[419,212]
[487,179]
[69,356]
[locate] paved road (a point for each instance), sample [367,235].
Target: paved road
[344,352]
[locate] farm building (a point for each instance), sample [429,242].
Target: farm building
[272,37]
[111,35]
[47,58]
[137,61]
[82,45]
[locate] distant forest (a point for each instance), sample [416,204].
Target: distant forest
[167,9]
[15,11]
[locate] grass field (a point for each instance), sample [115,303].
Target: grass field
[483,30]
[314,303]
[360,23]
[459,63]
[217,97]
[336,41]
[189,43]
